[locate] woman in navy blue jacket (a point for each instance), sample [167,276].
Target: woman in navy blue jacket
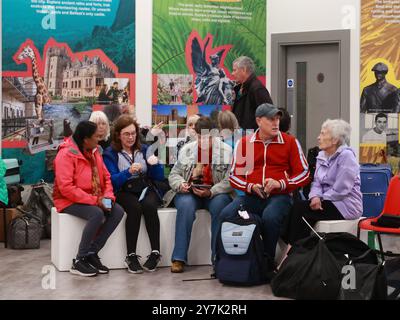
[125,160]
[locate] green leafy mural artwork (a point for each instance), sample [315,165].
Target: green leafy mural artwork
[171,31]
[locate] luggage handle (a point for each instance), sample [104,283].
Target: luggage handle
[376,194]
[371,164]
[351,261]
[26,215]
[312,229]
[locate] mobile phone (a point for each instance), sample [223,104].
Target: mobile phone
[201,186]
[107,203]
[265,195]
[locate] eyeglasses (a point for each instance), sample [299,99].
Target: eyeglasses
[128,134]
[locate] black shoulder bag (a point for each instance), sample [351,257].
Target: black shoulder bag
[137,184]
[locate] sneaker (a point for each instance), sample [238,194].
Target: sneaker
[133,264]
[177,266]
[95,262]
[152,260]
[83,268]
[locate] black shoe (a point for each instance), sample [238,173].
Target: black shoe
[132,262]
[95,262]
[213,275]
[83,268]
[152,261]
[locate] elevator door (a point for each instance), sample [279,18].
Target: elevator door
[314,94]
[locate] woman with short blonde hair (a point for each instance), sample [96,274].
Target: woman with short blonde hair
[103,127]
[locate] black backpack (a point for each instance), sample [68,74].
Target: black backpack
[240,256]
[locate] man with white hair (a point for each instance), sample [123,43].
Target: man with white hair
[249,92]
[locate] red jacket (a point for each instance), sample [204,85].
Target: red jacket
[281,159]
[73,177]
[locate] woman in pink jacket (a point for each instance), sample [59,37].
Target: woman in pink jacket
[83,188]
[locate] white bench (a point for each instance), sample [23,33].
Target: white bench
[327,226]
[349,226]
[66,231]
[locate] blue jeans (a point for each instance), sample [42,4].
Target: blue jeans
[186,205]
[272,211]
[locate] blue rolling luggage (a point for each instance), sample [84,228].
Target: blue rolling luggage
[374,184]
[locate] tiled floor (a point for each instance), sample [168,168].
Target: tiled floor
[21,277]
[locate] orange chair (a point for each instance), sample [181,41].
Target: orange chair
[392,206]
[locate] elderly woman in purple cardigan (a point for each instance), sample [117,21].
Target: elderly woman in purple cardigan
[335,192]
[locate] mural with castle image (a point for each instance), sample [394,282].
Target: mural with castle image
[57,69]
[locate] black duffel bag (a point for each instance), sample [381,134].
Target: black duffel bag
[363,281]
[310,271]
[313,268]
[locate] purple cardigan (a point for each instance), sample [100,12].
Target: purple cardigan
[337,179]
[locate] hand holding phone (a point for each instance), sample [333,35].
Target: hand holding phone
[107,203]
[259,191]
[201,186]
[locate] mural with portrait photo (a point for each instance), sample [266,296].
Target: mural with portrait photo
[379,83]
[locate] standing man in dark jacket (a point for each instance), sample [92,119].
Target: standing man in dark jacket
[249,93]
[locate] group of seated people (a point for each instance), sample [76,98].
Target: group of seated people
[219,170]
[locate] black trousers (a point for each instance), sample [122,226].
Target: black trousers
[296,228]
[134,210]
[96,232]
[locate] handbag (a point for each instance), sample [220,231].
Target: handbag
[25,232]
[135,185]
[387,221]
[39,203]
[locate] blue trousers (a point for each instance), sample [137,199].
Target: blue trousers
[272,211]
[186,205]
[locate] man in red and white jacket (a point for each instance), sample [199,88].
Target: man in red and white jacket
[268,166]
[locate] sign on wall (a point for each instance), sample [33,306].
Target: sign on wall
[61,61]
[380,82]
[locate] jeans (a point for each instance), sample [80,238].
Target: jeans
[272,211]
[186,205]
[96,232]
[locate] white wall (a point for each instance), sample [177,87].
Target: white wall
[285,16]
[144,20]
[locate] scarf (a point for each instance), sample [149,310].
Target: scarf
[96,186]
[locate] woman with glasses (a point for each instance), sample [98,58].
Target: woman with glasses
[126,162]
